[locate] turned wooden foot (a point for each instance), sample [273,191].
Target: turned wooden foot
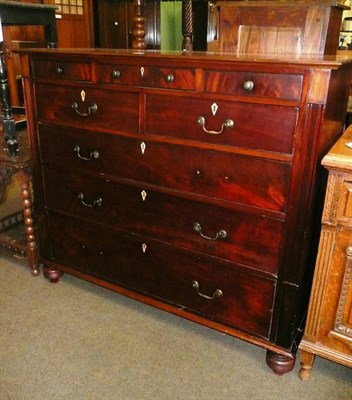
[52,274]
[279,363]
[307,360]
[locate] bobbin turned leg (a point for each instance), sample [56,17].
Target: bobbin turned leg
[138,29]
[278,363]
[32,250]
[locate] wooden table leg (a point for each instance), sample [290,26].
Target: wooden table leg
[32,250]
[307,360]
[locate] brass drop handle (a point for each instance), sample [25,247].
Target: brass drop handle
[217,293]
[95,203]
[220,234]
[91,109]
[227,124]
[116,73]
[59,70]
[92,155]
[248,86]
[169,78]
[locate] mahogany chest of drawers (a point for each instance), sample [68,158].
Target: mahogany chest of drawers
[188,181]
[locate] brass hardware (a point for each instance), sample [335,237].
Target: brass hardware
[169,78]
[248,86]
[96,203]
[116,73]
[217,293]
[59,70]
[225,125]
[221,234]
[92,154]
[91,109]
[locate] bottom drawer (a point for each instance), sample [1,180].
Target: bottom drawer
[217,291]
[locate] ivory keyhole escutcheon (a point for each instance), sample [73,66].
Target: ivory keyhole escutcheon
[143,147]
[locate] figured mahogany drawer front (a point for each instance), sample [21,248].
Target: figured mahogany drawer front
[280,86]
[230,123]
[234,298]
[242,238]
[253,181]
[147,76]
[88,107]
[78,71]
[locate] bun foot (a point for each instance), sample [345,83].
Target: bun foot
[52,274]
[279,363]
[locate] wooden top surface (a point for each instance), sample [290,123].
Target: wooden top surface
[340,155]
[191,57]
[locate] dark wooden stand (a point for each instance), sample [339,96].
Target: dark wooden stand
[15,241]
[19,240]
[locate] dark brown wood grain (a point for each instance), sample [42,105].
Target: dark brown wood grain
[164,180]
[165,273]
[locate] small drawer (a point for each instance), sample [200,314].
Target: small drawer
[237,124]
[84,106]
[242,238]
[257,182]
[253,84]
[62,70]
[147,76]
[210,289]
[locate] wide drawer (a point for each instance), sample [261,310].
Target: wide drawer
[247,239]
[62,70]
[235,298]
[88,107]
[146,76]
[247,180]
[249,125]
[254,84]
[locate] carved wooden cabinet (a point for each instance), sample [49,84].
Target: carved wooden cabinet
[187,181]
[328,332]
